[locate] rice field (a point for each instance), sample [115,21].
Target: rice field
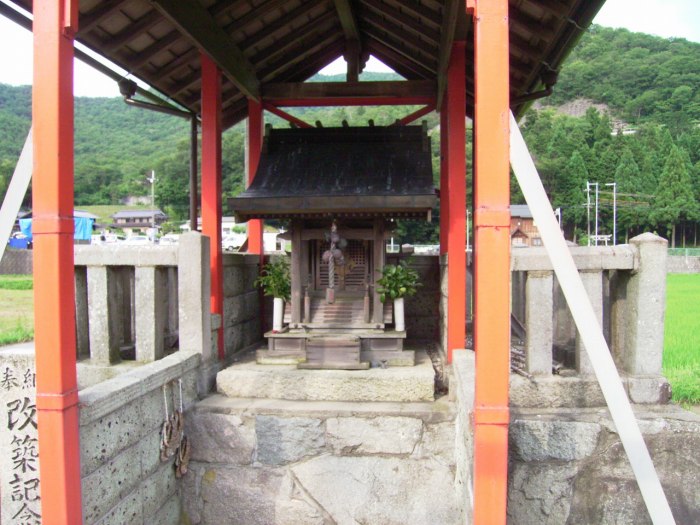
[682,337]
[16,309]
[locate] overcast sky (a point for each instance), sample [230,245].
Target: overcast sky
[669,18]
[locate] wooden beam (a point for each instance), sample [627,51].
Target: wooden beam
[425,13]
[527,24]
[133,30]
[554,7]
[353,48]
[140,59]
[178,63]
[195,22]
[347,19]
[407,21]
[319,90]
[290,61]
[414,54]
[254,14]
[418,44]
[398,63]
[92,18]
[447,33]
[269,29]
[281,45]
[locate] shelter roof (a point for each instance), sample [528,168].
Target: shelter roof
[262,44]
[520,210]
[358,171]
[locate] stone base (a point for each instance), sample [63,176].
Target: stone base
[558,391]
[260,462]
[402,384]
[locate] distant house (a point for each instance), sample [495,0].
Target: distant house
[132,220]
[227,225]
[523,230]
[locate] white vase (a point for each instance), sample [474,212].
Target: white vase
[399,324]
[277,314]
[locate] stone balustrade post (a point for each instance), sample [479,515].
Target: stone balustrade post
[593,283]
[150,302]
[194,284]
[646,304]
[538,322]
[104,315]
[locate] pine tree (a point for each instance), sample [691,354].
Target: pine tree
[630,214]
[571,195]
[674,200]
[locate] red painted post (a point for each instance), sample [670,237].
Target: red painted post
[211,181]
[457,196]
[444,179]
[55,23]
[255,136]
[492,258]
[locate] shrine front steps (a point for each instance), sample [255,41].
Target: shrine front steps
[247,379]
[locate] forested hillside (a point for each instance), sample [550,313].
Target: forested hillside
[649,82]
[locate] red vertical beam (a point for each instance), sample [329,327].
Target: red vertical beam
[211,181]
[492,256]
[54,295]
[255,136]
[457,196]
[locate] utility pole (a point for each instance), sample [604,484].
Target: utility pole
[596,213]
[152,180]
[588,211]
[614,187]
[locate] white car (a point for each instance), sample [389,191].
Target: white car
[232,242]
[137,240]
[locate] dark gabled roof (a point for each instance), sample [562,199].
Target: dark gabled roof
[263,43]
[359,171]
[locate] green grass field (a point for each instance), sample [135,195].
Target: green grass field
[16,309]
[682,337]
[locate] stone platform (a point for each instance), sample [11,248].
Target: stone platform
[248,379]
[265,461]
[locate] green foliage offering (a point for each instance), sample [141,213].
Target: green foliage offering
[398,280]
[681,362]
[16,282]
[275,280]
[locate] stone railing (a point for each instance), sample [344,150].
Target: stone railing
[140,303]
[627,288]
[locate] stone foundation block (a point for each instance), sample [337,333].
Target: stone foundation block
[286,440]
[362,436]
[553,440]
[220,438]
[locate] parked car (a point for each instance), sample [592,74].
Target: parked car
[137,240]
[232,242]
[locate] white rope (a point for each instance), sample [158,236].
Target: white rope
[182,411]
[165,402]
[589,329]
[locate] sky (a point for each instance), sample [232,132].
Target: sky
[666,18]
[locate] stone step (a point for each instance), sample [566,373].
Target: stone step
[247,379]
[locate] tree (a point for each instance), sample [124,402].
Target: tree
[675,200]
[630,214]
[571,196]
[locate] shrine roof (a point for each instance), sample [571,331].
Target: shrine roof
[265,48]
[350,171]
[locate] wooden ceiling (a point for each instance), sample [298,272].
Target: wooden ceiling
[261,45]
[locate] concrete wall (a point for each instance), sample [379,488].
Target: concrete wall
[16,262]
[567,465]
[682,264]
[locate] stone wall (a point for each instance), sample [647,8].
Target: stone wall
[305,463]
[16,262]
[241,319]
[682,264]
[567,465]
[123,477]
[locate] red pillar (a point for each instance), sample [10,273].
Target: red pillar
[54,292]
[457,197]
[211,181]
[492,256]
[255,136]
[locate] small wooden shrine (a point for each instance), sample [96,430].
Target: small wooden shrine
[339,188]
